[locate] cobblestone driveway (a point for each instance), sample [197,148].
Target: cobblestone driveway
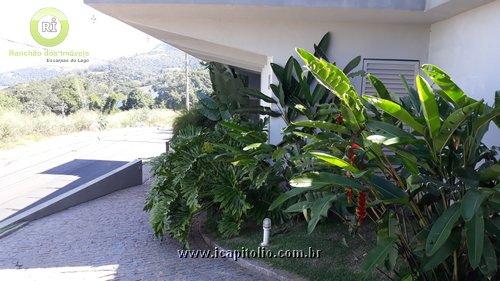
[105,239]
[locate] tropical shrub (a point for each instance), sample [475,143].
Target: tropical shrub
[222,167]
[191,117]
[230,96]
[299,95]
[416,166]
[222,163]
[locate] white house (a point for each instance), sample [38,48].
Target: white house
[392,36]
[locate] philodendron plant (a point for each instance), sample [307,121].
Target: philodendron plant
[416,166]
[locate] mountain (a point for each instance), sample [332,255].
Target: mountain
[29,75]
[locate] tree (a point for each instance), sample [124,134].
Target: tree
[111,101]
[95,102]
[8,101]
[138,99]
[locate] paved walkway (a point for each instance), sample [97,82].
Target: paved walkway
[105,239]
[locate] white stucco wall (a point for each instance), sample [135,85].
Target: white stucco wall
[467,46]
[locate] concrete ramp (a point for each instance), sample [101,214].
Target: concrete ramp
[128,175]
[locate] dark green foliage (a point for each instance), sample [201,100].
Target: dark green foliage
[220,162]
[171,90]
[439,189]
[299,94]
[111,102]
[201,174]
[230,96]
[138,99]
[416,166]
[96,102]
[191,117]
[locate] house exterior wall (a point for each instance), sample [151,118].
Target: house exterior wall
[278,42]
[381,41]
[467,47]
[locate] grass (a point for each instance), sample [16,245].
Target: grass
[17,128]
[341,254]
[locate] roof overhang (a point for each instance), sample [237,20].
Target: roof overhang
[163,19]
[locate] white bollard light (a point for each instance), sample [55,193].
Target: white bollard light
[266,227]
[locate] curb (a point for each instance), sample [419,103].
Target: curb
[11,229]
[254,265]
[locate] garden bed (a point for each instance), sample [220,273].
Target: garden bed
[341,254]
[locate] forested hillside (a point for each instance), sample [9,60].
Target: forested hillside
[151,80]
[142,90]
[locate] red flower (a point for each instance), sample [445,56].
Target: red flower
[361,208]
[340,119]
[350,154]
[349,195]
[355,145]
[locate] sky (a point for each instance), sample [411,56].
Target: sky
[102,36]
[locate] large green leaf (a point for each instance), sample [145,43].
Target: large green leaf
[261,147]
[288,73]
[441,229]
[262,110]
[278,71]
[484,119]
[212,114]
[352,65]
[257,94]
[492,227]
[389,191]
[489,266]
[377,255]
[391,134]
[278,92]
[443,253]
[451,123]
[330,76]
[379,87]
[330,159]
[397,111]
[318,180]
[207,101]
[474,232]
[412,94]
[471,203]
[444,81]
[321,50]
[492,172]
[322,125]
[287,195]
[429,105]
[319,208]
[298,207]
[318,93]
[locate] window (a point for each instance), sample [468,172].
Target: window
[389,71]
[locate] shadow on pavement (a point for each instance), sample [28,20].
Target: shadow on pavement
[85,169]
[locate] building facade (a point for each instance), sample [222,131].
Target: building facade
[392,36]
